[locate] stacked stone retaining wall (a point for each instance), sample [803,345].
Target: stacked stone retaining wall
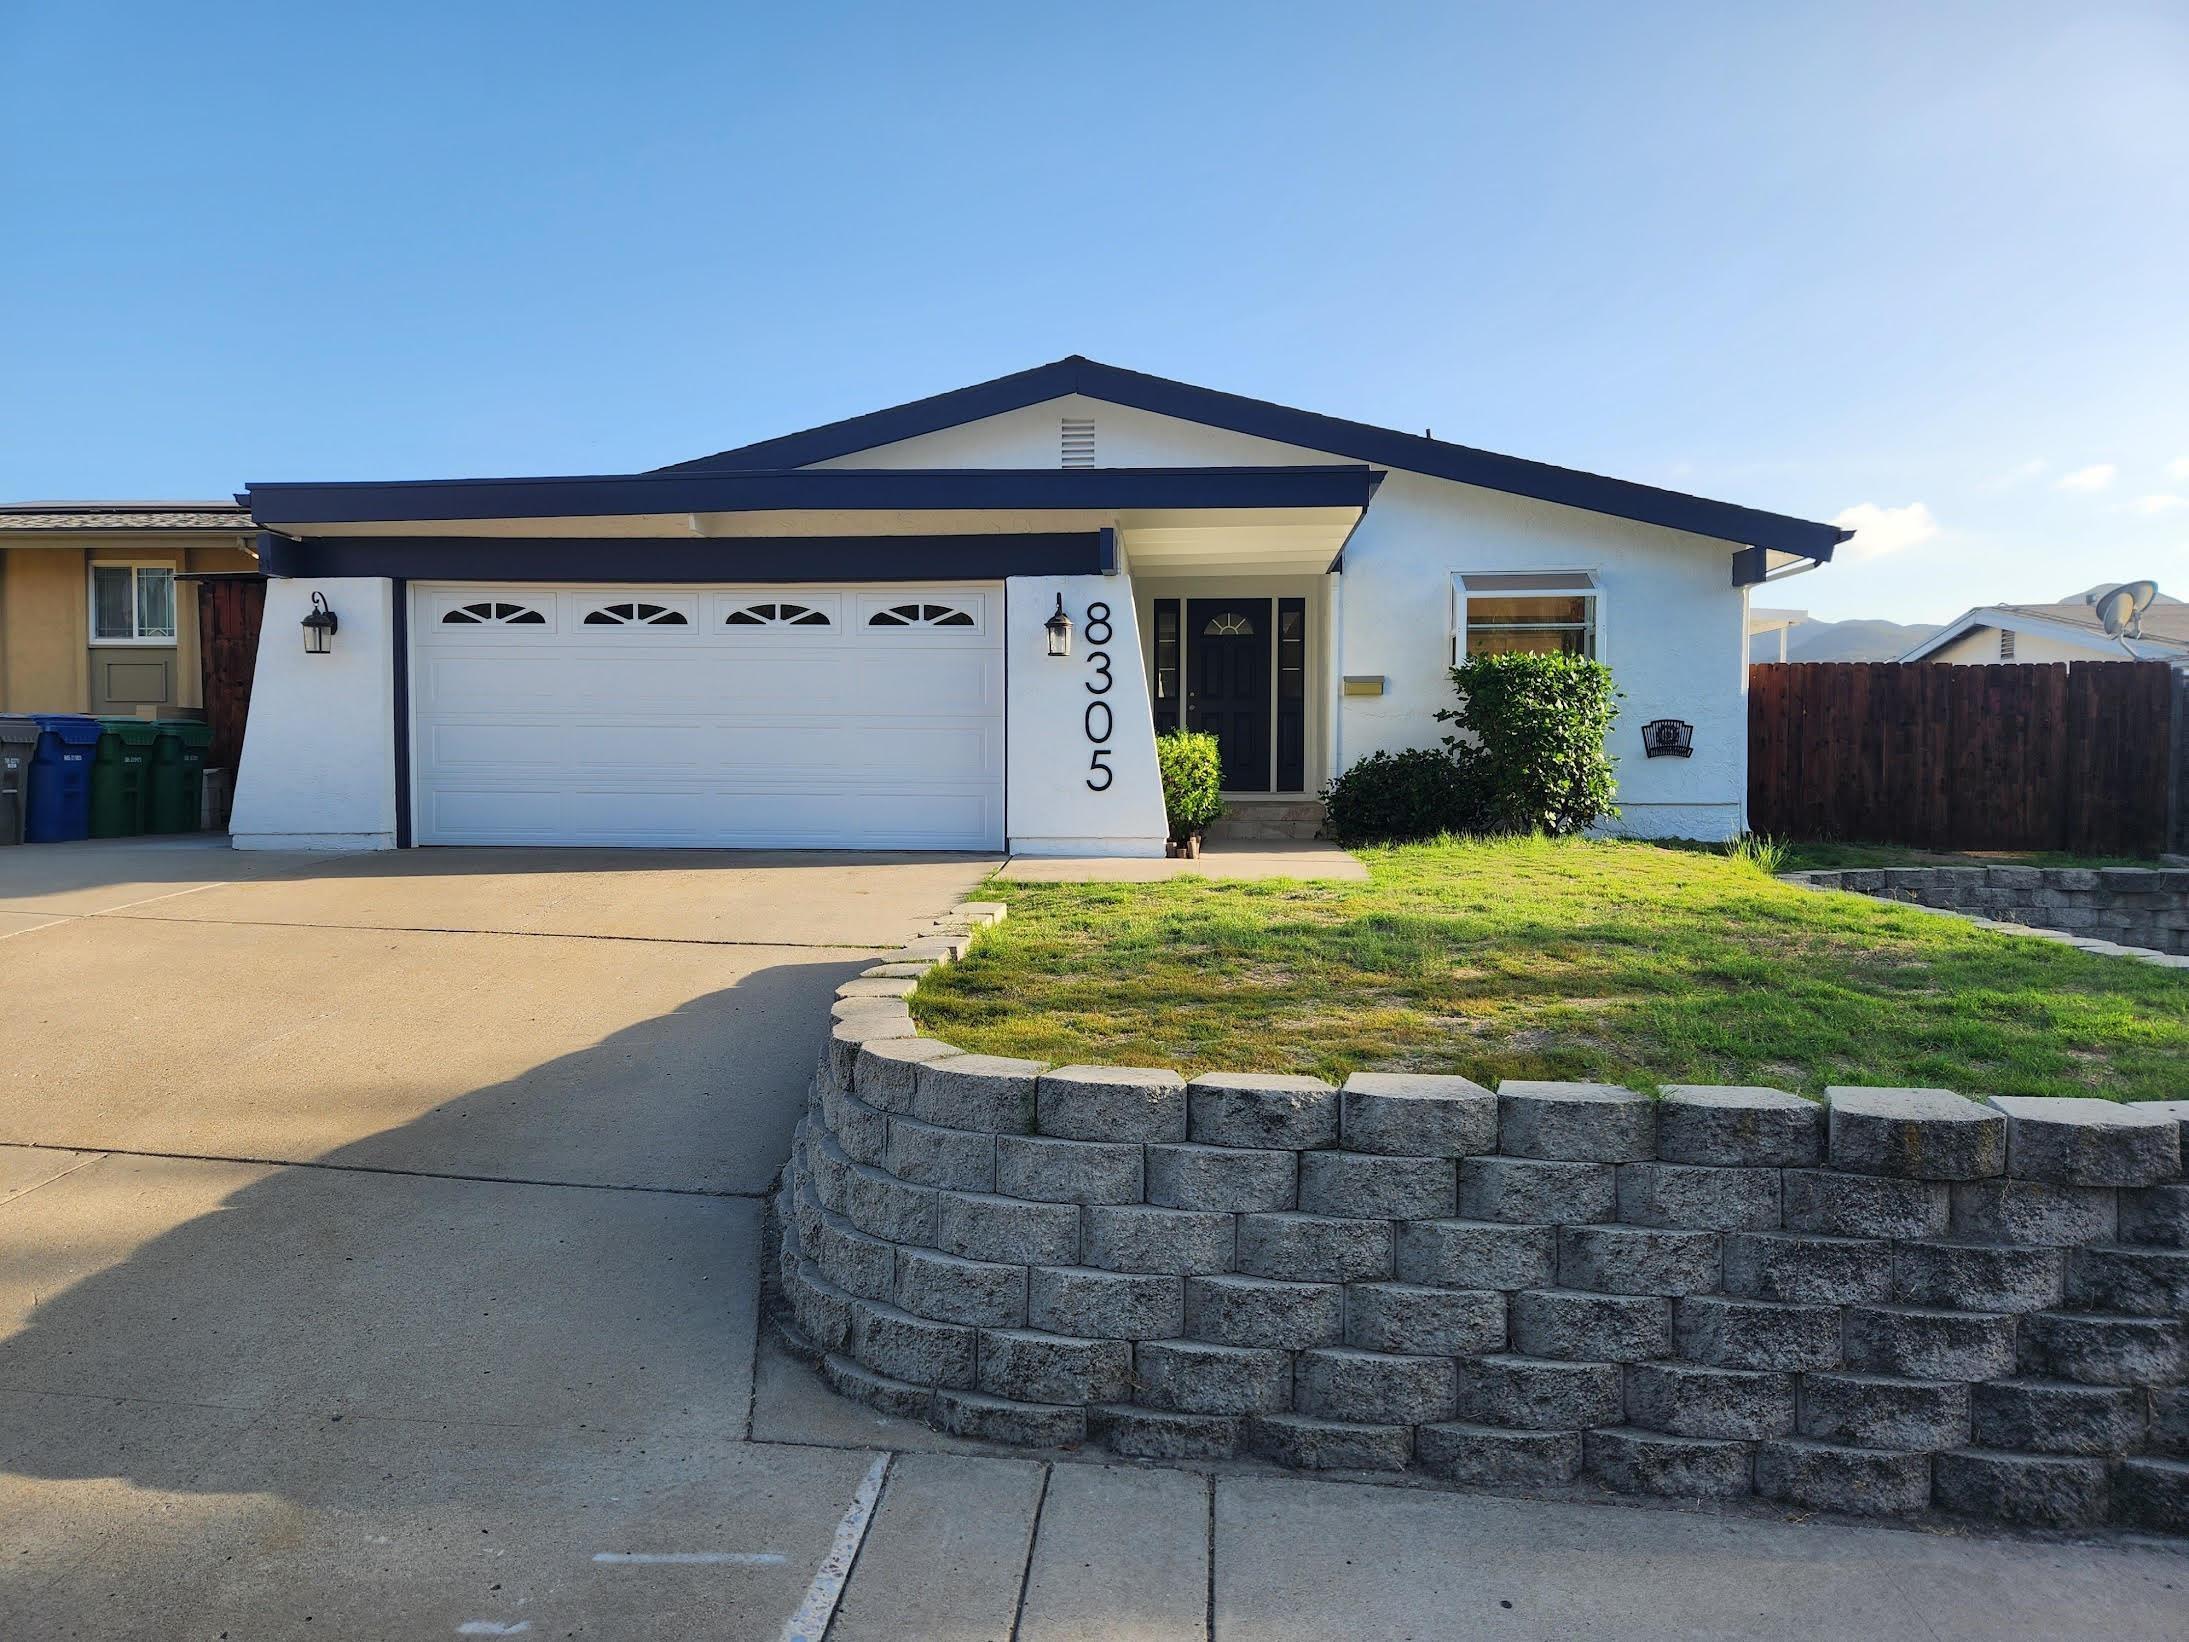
[1893,1301]
[2130,906]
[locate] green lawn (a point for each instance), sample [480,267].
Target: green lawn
[1535,958]
[1827,856]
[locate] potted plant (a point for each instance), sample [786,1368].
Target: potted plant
[1192,773]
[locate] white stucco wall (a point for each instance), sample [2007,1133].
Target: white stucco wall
[1674,628]
[1059,717]
[318,768]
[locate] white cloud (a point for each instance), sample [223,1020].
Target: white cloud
[2097,476]
[1882,530]
[2160,502]
[2178,468]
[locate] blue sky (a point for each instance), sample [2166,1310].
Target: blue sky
[1926,262]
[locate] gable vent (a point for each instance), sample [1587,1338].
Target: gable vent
[1078,443]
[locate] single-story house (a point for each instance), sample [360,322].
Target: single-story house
[1767,630]
[92,616]
[850,637]
[2067,631]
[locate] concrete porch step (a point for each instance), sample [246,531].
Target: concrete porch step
[1268,820]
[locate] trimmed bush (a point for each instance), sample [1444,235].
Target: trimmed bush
[1532,740]
[1390,798]
[1192,776]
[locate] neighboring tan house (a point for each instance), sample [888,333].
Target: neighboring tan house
[92,618]
[2067,631]
[853,637]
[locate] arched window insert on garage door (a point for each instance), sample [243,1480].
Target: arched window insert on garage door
[776,615]
[921,615]
[493,613]
[635,615]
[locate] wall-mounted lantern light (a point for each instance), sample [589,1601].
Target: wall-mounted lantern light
[1059,629]
[319,626]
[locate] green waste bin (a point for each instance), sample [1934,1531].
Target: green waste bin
[178,775]
[18,739]
[121,776]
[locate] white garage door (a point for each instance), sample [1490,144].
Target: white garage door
[822,717]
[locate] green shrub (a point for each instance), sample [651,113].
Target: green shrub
[1390,798]
[1533,728]
[1761,851]
[1192,775]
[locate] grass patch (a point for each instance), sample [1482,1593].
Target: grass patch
[1825,857]
[1539,958]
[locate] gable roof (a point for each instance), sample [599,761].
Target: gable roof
[1413,453]
[117,516]
[2165,628]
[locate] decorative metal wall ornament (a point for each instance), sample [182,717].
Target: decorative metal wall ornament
[1668,738]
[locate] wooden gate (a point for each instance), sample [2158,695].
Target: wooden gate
[230,608]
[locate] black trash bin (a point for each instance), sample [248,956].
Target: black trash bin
[18,740]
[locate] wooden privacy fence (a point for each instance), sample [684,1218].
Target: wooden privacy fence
[2037,756]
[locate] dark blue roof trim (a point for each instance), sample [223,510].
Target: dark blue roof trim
[628,559]
[857,489]
[1385,447]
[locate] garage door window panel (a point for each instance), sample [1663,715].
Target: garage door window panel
[636,613]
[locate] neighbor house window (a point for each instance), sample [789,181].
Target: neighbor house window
[133,604]
[1555,611]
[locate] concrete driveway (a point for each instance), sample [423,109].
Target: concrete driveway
[378,1253]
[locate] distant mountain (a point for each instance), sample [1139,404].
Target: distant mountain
[1843,641]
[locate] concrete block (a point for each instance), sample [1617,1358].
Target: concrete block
[1257,1311]
[916,1350]
[1194,1377]
[2035,1490]
[2169,1429]
[2033,1212]
[1533,1394]
[1477,1254]
[1738,1127]
[1913,1134]
[2153,1495]
[1223,1178]
[861,1131]
[2071,1142]
[1699,1197]
[1684,1400]
[821,1309]
[1920,1344]
[1111,1103]
[1067,1171]
[1309,1444]
[1488,1456]
[993,1094]
[1866,1482]
[1756,1334]
[1978,1276]
[1407,1319]
[1632,1461]
[1807,1268]
[2155,1215]
[868,1021]
[1374,1388]
[855,1380]
[1262,1111]
[1601,1328]
[828,1167]
[1526,1191]
[1154,1434]
[1849,1205]
[1105,1305]
[926,1155]
[999,1419]
[2055,1417]
[1416,1114]
[2140,1282]
[883,1071]
[1884,1411]
[951,1290]
[881,1205]
[1007,1230]
[854,1262]
[1134,1237]
[2094,1350]
[1029,1366]
[1575,1122]
[1637,1260]
[1308,1248]
[1368,1186]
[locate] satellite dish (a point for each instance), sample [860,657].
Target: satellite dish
[2122,609]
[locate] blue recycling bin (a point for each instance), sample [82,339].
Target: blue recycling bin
[60,778]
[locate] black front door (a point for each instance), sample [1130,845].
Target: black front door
[1227,688]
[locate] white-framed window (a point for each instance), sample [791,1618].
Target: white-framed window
[1558,611]
[132,603]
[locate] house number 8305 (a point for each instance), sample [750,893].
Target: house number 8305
[1098,721]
